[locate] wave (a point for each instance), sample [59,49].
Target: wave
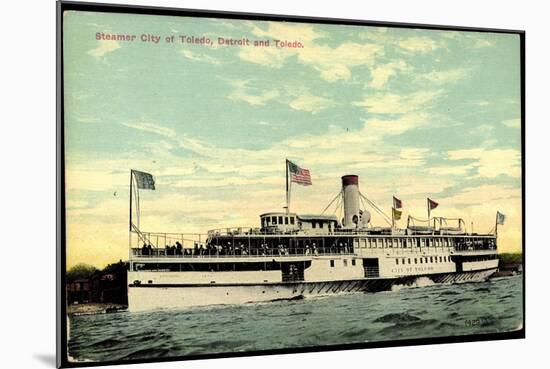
[397,318]
[459,301]
[418,282]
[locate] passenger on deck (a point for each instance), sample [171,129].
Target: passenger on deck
[149,249]
[179,248]
[144,250]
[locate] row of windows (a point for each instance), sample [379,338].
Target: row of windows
[321,223]
[274,220]
[345,262]
[424,260]
[404,242]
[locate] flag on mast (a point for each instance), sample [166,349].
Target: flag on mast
[432,204]
[398,204]
[396,214]
[500,218]
[299,175]
[144,181]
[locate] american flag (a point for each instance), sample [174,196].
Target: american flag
[299,175]
[145,181]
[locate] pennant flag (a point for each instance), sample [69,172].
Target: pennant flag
[500,218]
[397,203]
[145,181]
[396,214]
[299,175]
[432,204]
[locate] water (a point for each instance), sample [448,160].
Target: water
[427,311]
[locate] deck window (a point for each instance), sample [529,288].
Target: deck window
[273,220]
[431,259]
[415,261]
[313,225]
[286,220]
[408,260]
[345,262]
[353,262]
[332,263]
[396,261]
[320,224]
[280,220]
[291,220]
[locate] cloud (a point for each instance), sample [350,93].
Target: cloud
[104,47]
[392,103]
[480,43]
[419,44]
[242,92]
[451,170]
[152,128]
[491,163]
[484,193]
[310,103]
[333,63]
[512,123]
[381,74]
[443,77]
[482,130]
[203,58]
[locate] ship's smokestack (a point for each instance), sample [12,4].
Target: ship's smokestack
[350,187]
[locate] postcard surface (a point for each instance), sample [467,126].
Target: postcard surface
[243,185]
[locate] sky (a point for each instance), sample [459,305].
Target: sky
[415,113]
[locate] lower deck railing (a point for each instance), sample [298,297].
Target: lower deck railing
[191,253]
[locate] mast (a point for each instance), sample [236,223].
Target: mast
[496,225]
[131,189]
[287,188]
[428,203]
[130,223]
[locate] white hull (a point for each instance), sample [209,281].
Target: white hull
[152,297]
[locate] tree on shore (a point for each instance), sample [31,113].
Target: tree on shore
[81,271]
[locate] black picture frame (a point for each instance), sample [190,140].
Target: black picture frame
[61,6]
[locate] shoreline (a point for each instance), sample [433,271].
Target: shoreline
[95,308]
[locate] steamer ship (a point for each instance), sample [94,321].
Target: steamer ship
[293,256]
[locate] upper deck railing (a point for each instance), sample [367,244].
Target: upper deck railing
[274,231]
